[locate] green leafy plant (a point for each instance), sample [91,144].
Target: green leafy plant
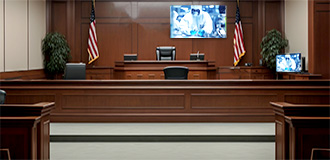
[272,44]
[56,51]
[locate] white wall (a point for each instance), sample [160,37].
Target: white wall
[296,26]
[2,36]
[16,42]
[24,24]
[37,31]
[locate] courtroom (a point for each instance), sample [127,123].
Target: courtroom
[164,79]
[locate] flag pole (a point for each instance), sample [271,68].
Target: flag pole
[238,3]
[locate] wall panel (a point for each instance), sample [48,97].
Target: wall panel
[114,39]
[107,9]
[273,14]
[322,39]
[151,35]
[37,31]
[16,39]
[2,37]
[59,17]
[318,37]
[124,102]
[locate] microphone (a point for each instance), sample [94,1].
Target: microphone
[197,54]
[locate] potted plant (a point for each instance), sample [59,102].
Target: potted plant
[56,51]
[272,44]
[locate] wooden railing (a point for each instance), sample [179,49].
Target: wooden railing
[302,129]
[165,100]
[24,130]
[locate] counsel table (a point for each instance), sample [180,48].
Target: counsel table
[154,69]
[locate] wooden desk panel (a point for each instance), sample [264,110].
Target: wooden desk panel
[298,76]
[165,100]
[154,69]
[96,72]
[244,72]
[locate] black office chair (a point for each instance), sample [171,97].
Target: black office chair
[2,96]
[165,53]
[75,71]
[176,72]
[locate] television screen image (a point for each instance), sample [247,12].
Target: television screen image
[198,21]
[288,63]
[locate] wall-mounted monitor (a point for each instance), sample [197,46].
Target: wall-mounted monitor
[198,21]
[288,62]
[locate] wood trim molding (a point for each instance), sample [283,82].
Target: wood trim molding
[30,74]
[311,36]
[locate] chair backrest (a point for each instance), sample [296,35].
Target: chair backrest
[165,53]
[176,72]
[75,71]
[2,96]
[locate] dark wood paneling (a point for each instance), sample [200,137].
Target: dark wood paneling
[154,69]
[273,14]
[231,101]
[321,59]
[99,73]
[123,101]
[140,26]
[318,37]
[59,17]
[107,9]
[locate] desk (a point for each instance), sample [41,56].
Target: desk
[300,128]
[244,72]
[154,69]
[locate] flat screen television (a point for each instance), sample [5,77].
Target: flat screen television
[288,62]
[198,21]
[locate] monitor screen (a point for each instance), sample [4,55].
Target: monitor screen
[288,63]
[198,21]
[195,56]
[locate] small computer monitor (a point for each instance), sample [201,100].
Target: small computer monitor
[197,56]
[288,62]
[130,57]
[75,71]
[165,53]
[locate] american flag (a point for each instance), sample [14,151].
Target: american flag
[239,49]
[93,50]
